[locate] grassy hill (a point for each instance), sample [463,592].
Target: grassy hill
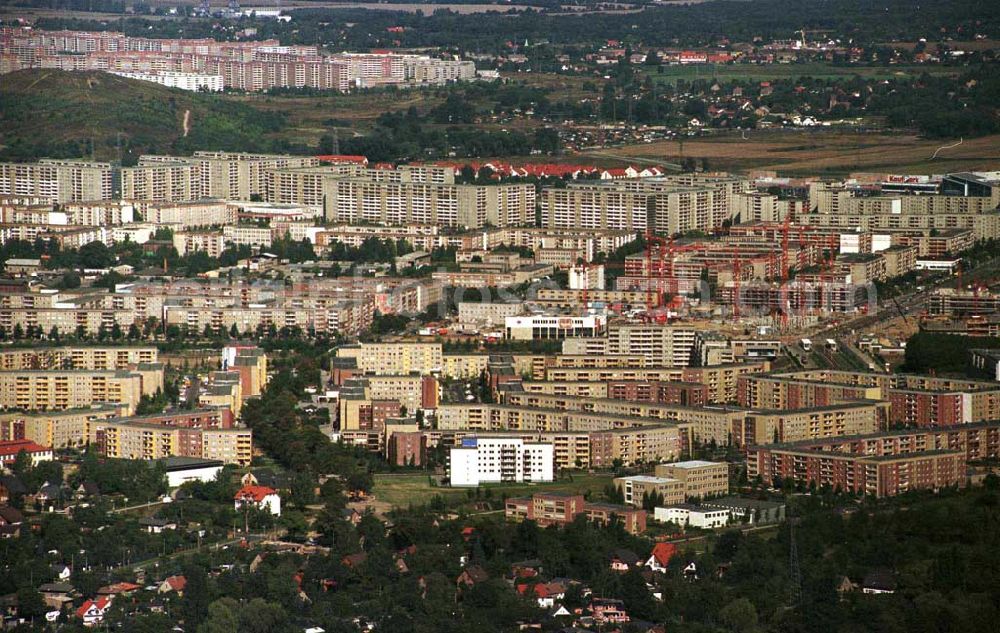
[62,114]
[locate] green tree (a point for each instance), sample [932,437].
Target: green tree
[195,603]
[739,615]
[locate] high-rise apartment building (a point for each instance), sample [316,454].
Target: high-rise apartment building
[57,180]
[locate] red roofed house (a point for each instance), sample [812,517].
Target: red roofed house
[661,555]
[173,583]
[258,496]
[10,448]
[118,588]
[545,593]
[92,611]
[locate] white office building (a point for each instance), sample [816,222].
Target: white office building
[692,516]
[494,460]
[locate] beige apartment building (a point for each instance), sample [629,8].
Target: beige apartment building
[702,479]
[187,215]
[590,449]
[331,317]
[395,358]
[212,243]
[223,175]
[759,206]
[792,425]
[57,180]
[596,207]
[162,181]
[634,488]
[661,345]
[706,423]
[450,205]
[668,205]
[99,212]
[722,380]
[40,390]
[58,429]
[253,236]
[407,195]
[134,439]
[94,358]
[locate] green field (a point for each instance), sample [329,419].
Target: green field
[401,491]
[764,72]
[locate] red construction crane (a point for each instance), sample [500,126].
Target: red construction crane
[737,273]
[654,294]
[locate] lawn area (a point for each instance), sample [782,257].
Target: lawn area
[763,72]
[403,490]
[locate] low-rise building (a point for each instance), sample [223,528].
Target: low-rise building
[638,489]
[10,449]
[692,516]
[702,479]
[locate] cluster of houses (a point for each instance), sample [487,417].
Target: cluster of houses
[59,595]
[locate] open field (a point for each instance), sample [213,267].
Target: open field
[821,152]
[816,70]
[404,490]
[307,118]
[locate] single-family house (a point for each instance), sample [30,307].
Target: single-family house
[660,556]
[172,584]
[260,497]
[92,611]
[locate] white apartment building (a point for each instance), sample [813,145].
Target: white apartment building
[491,460]
[194,82]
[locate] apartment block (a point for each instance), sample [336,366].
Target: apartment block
[706,423]
[57,180]
[661,345]
[880,476]
[58,429]
[250,362]
[484,460]
[857,418]
[162,181]
[204,434]
[94,358]
[41,390]
[582,438]
[722,380]
[701,479]
[636,488]
[212,243]
[915,400]
[395,358]
[187,215]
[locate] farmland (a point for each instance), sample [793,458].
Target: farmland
[821,151]
[816,70]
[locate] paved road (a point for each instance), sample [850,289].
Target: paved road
[910,304]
